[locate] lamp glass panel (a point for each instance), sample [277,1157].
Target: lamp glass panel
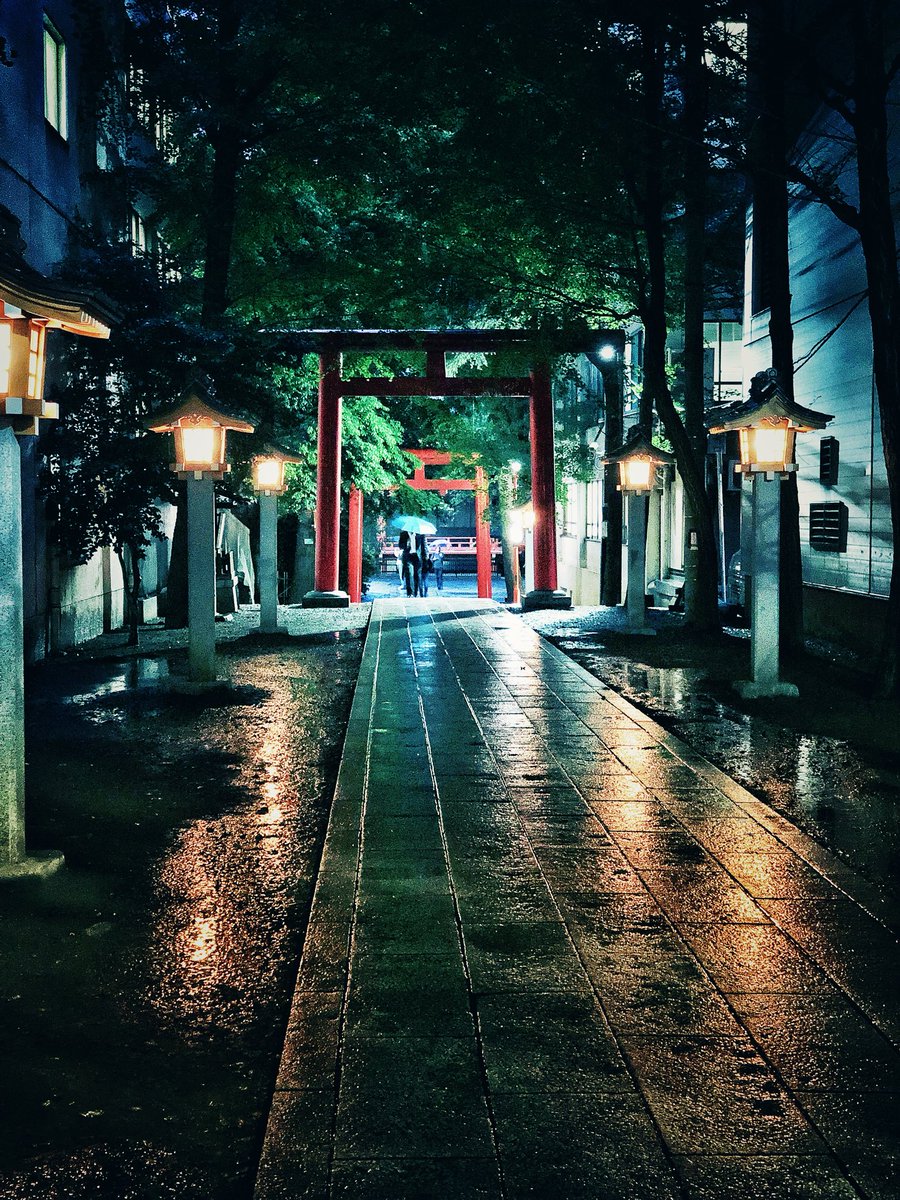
[199,444]
[771,444]
[35,386]
[5,356]
[269,473]
[636,474]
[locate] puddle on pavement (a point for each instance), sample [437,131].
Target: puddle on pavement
[147,984]
[847,797]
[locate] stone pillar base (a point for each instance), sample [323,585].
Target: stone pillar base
[748,689]
[37,866]
[545,598]
[326,600]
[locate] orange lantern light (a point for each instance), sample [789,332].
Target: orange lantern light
[767,423]
[637,460]
[199,430]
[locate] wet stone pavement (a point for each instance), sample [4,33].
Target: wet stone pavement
[829,761]
[146,986]
[554,952]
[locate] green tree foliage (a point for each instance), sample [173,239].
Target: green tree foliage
[103,479]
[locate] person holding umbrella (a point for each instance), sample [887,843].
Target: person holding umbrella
[410,527]
[409,559]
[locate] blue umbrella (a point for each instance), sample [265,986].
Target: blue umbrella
[412,524]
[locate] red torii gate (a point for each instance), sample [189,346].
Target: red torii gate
[536,388]
[421,483]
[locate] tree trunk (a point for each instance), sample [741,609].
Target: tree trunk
[176,580]
[131,577]
[220,220]
[611,560]
[768,156]
[879,244]
[653,316]
[700,559]
[227,147]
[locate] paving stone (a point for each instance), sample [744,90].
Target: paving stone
[863,1129]
[618,788]
[416,1179]
[513,957]
[411,1097]
[549,1043]
[309,1056]
[395,926]
[717,1095]
[764,1177]
[780,873]
[702,893]
[565,829]
[581,1147]
[754,958]
[648,982]
[656,849]
[576,869]
[299,1132]
[633,814]
[409,995]
[821,1043]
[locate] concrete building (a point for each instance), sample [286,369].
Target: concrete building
[582,517]
[64,147]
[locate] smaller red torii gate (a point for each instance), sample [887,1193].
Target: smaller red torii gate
[421,483]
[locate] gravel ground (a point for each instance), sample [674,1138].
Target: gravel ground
[147,984]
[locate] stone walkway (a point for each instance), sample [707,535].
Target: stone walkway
[554,953]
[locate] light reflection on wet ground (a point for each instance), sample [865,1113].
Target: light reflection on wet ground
[846,796]
[147,985]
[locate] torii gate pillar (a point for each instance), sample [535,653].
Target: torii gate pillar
[354,544]
[326,593]
[546,592]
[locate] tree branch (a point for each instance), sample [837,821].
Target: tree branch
[843,210]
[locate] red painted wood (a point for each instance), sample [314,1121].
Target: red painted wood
[482,537]
[354,545]
[543,479]
[328,482]
[423,385]
[318,341]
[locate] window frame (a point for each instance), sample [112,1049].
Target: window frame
[56,97]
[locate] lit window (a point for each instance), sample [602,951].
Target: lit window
[594,524]
[137,233]
[55,92]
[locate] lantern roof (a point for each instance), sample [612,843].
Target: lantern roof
[276,450]
[638,444]
[767,403]
[61,306]
[194,409]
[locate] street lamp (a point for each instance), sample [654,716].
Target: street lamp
[199,431]
[30,304]
[767,423]
[268,483]
[637,460]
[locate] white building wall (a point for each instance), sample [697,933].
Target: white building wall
[834,374]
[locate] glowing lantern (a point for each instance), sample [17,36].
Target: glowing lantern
[637,461]
[767,423]
[268,469]
[199,431]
